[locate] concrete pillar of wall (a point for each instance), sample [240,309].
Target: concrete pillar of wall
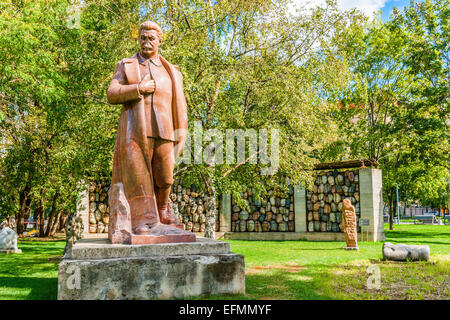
[83,208]
[371,202]
[225,213]
[300,209]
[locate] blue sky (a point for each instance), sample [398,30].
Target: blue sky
[389,5]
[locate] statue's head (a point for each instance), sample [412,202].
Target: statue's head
[150,35]
[347,204]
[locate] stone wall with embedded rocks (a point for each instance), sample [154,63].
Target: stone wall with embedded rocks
[271,213]
[324,201]
[323,206]
[98,207]
[188,205]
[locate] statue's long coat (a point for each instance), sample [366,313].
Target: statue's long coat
[132,174]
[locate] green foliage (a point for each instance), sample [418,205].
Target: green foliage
[35,143]
[323,78]
[398,100]
[56,126]
[252,61]
[256,66]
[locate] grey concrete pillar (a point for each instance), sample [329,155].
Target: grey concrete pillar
[225,213]
[300,208]
[371,202]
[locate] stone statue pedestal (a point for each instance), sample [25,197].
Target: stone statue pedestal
[163,234]
[95,269]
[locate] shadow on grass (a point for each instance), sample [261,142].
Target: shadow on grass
[319,249]
[40,288]
[26,264]
[29,275]
[420,242]
[418,237]
[34,240]
[282,285]
[275,285]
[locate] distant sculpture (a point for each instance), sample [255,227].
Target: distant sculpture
[152,132]
[349,224]
[404,252]
[8,241]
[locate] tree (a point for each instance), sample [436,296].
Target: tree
[32,88]
[398,99]
[54,122]
[244,63]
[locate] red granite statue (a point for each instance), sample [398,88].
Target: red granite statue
[349,224]
[152,133]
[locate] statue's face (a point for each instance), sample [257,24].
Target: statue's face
[149,42]
[346,204]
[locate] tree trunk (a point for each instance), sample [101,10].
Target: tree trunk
[35,215]
[23,201]
[55,223]
[210,225]
[8,221]
[26,214]
[19,224]
[41,220]
[52,215]
[40,213]
[391,209]
[62,222]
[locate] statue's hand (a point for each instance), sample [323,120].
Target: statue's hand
[147,86]
[179,146]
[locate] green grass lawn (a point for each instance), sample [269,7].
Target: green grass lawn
[29,275]
[279,269]
[325,271]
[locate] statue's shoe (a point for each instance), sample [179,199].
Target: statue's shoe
[162,233]
[142,230]
[167,216]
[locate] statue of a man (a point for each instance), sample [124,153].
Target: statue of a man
[152,132]
[349,224]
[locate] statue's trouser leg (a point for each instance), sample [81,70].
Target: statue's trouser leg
[163,164]
[138,188]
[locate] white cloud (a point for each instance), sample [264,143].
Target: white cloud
[366,6]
